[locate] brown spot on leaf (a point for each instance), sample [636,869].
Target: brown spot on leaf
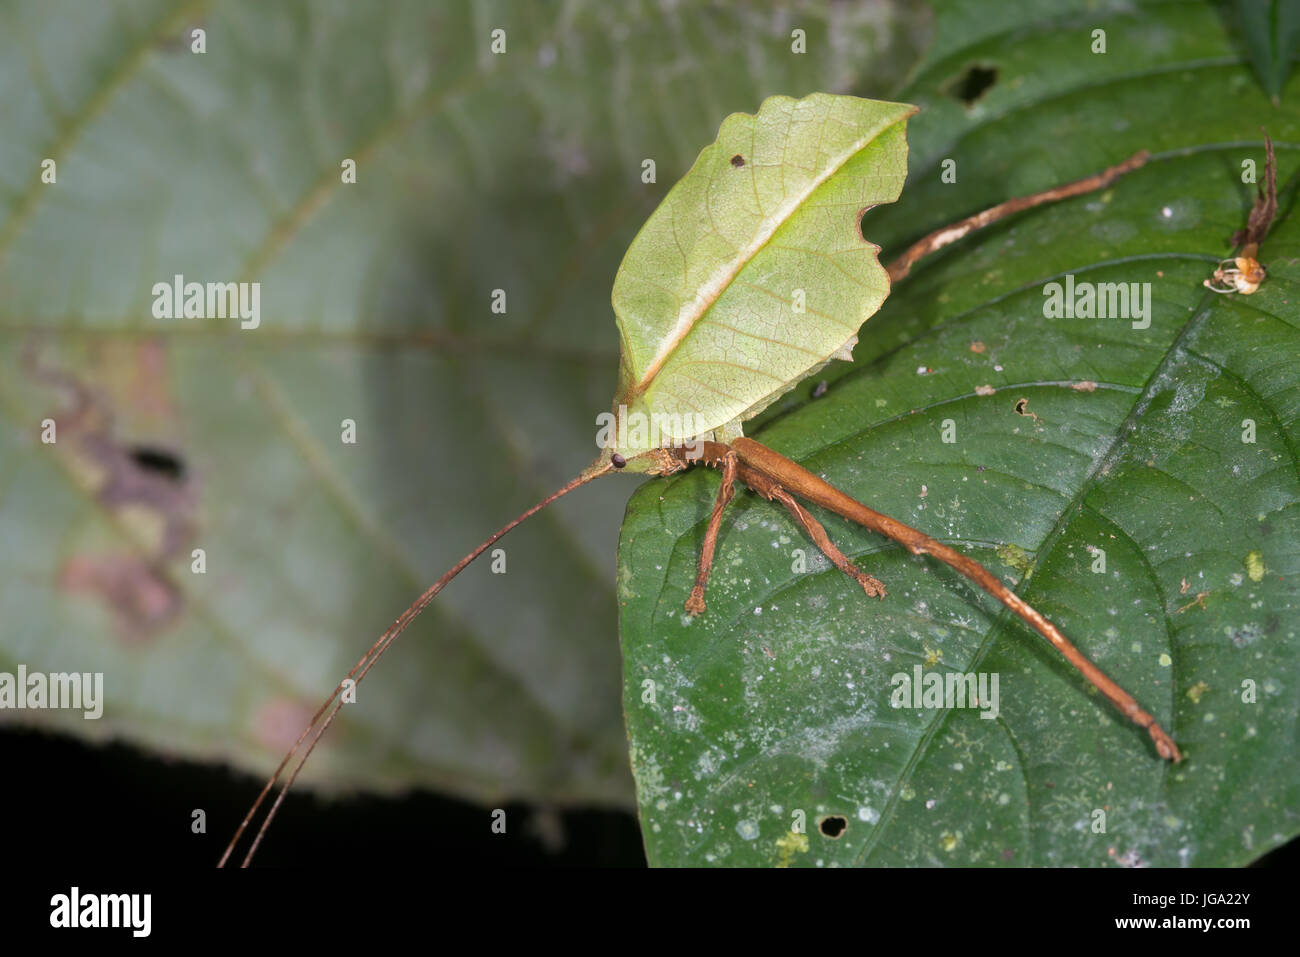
[977,346]
[279,722]
[147,487]
[1087,385]
[142,600]
[738,161]
[149,390]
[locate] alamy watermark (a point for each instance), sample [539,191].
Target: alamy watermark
[79,690]
[1098,300]
[130,911]
[951,690]
[179,299]
[636,430]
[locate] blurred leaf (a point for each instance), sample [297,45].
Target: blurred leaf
[475,172]
[1272,33]
[778,699]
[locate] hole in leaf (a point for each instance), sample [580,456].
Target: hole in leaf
[862,213]
[833,826]
[738,161]
[973,83]
[159,461]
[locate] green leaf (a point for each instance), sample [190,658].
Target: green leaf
[475,172]
[777,701]
[711,330]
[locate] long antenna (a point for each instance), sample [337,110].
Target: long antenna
[364,665]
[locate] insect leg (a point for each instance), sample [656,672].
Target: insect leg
[872,586]
[695,603]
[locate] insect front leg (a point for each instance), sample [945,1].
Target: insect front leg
[695,603]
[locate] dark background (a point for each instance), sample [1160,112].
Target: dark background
[115,806]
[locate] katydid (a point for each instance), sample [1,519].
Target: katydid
[711,335]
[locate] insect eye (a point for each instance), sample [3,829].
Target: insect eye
[617,461]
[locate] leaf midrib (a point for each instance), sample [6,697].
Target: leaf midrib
[721,281]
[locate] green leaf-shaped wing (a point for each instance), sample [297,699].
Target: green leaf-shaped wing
[752,273]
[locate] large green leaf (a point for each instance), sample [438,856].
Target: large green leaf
[475,171]
[777,700]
